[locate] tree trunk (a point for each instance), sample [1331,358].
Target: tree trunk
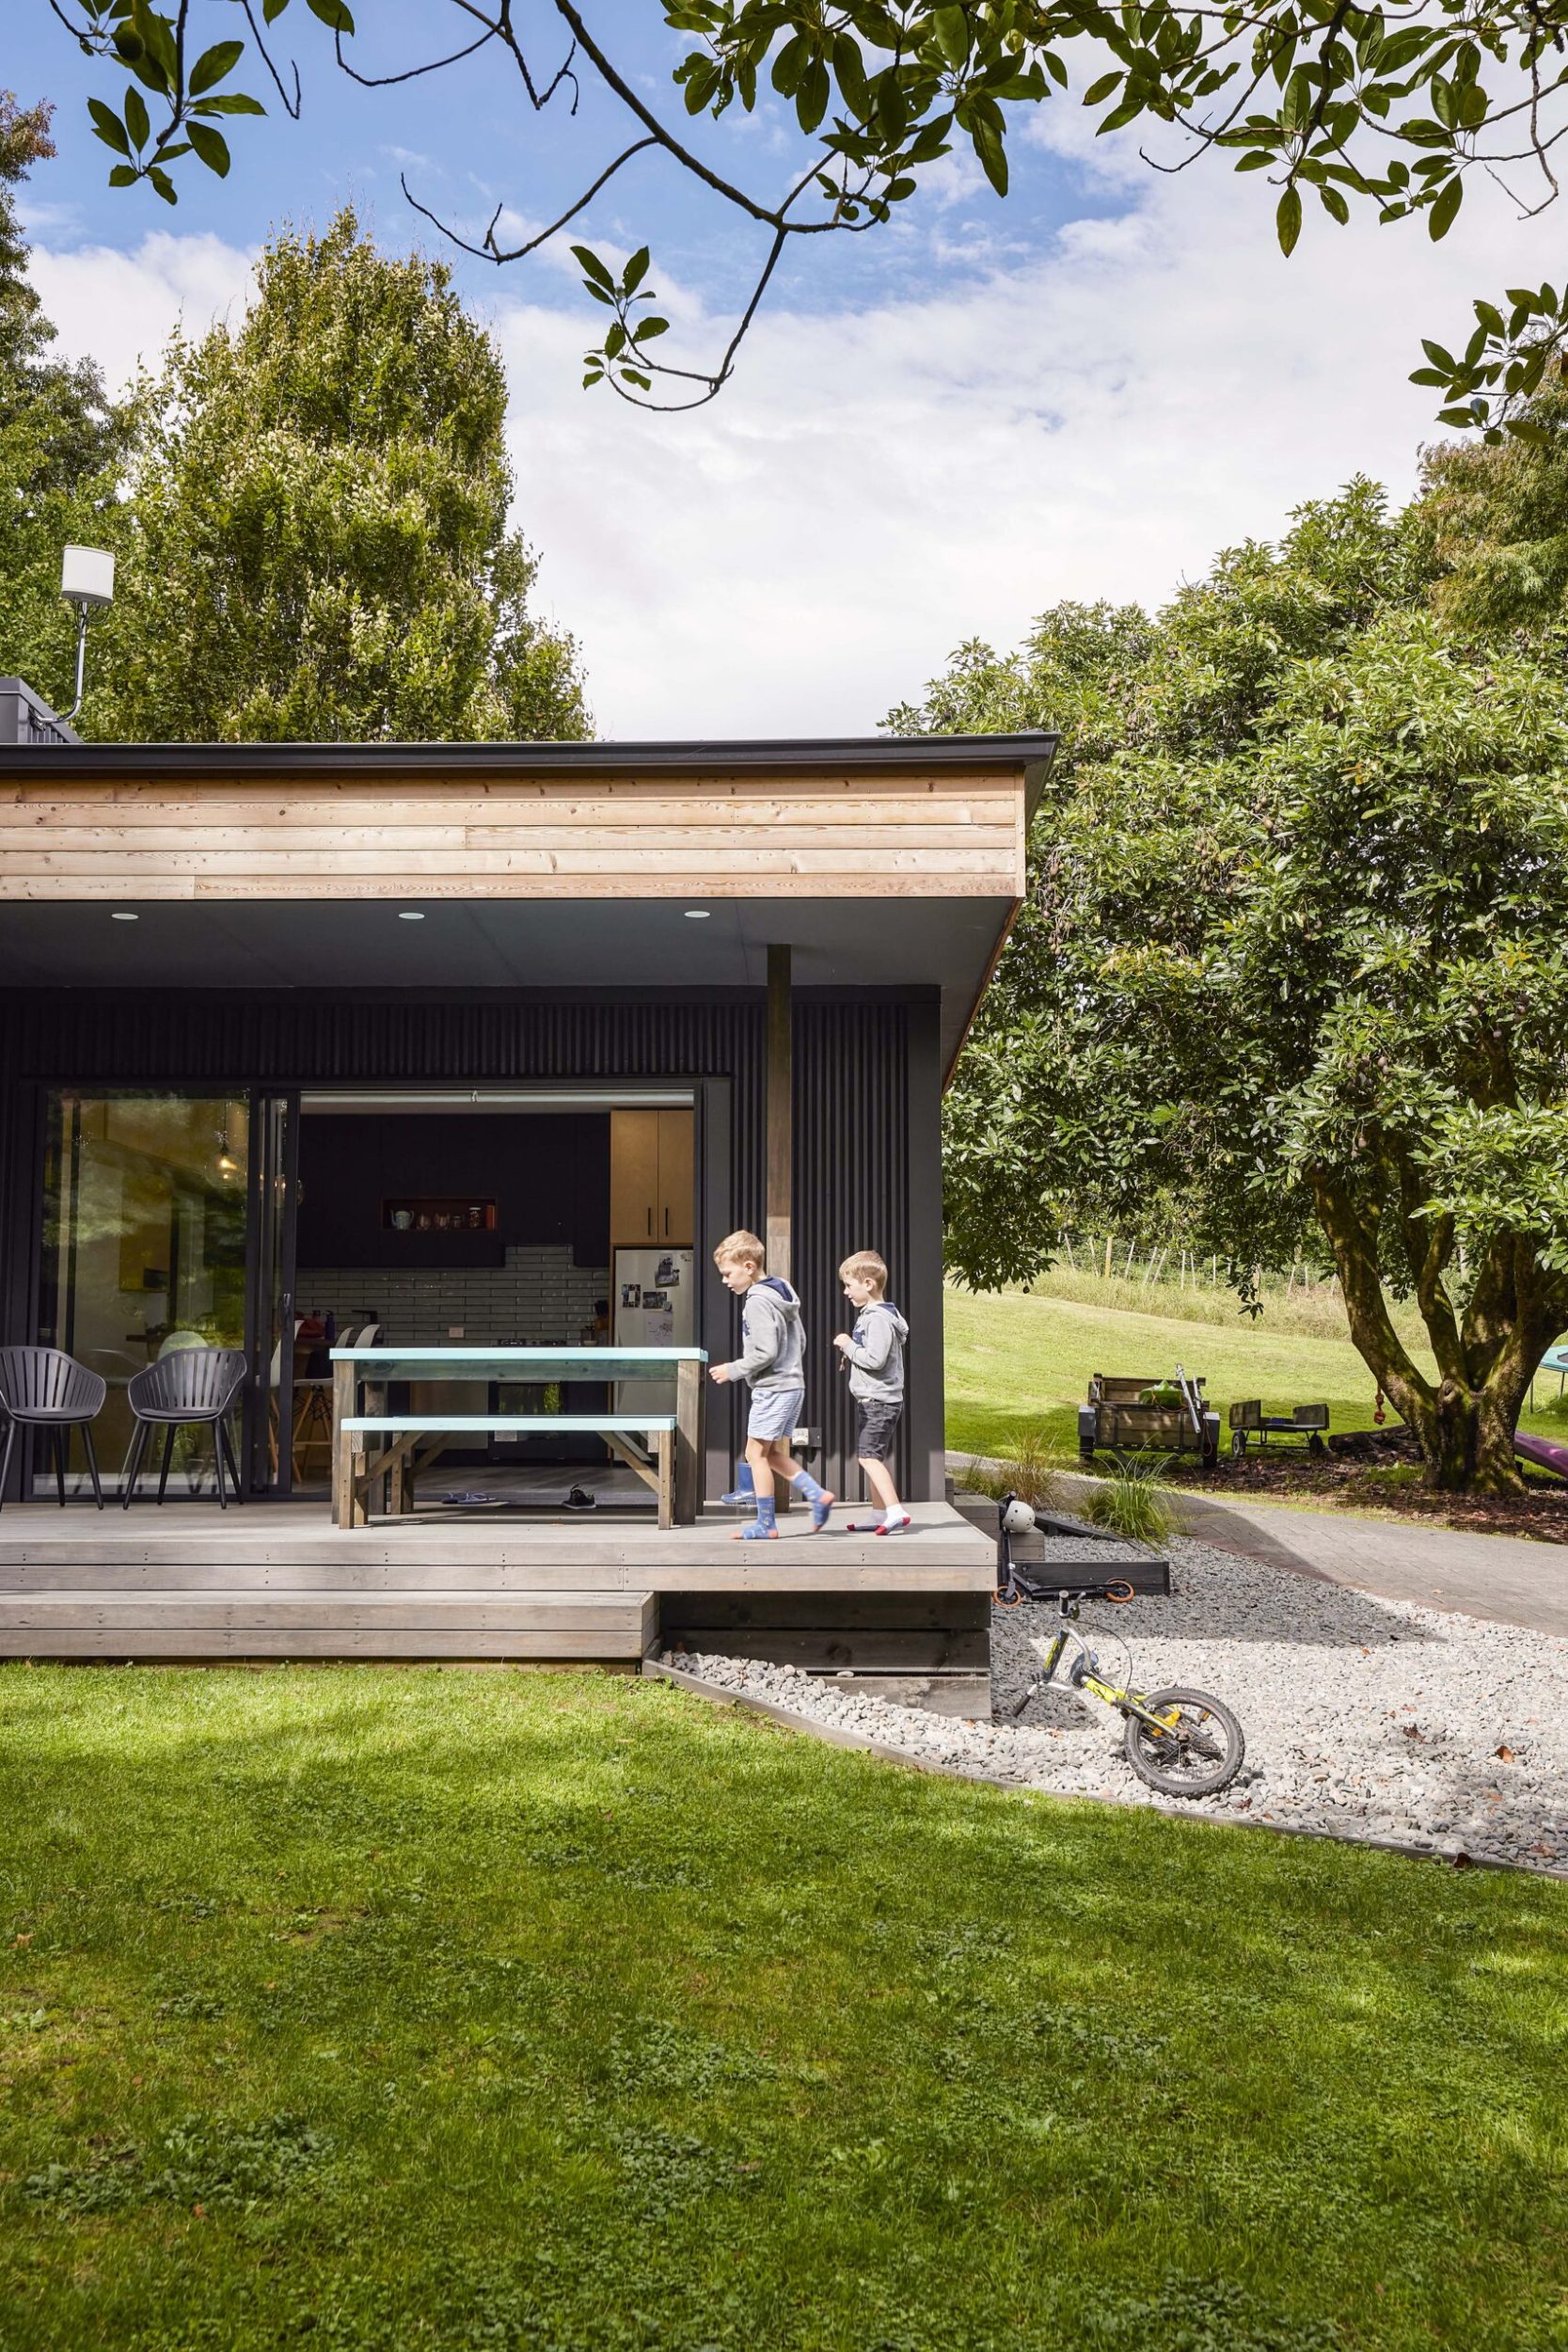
[1467,1438]
[1464,1423]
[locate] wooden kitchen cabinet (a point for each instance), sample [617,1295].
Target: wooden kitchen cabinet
[652,1172]
[677,1173]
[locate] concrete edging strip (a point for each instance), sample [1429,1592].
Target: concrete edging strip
[833,1735]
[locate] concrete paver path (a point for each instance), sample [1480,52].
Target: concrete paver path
[1503,1578]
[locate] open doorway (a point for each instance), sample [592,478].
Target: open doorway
[528,1218]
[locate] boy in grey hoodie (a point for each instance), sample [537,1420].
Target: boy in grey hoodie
[772,1359]
[875,1354]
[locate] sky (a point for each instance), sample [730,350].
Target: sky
[935,433]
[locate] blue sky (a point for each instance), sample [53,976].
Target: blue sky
[467,139]
[936,431]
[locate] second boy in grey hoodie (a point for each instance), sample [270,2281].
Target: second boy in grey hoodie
[874,1352]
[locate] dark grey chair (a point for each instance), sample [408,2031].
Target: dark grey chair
[43,1388]
[196,1387]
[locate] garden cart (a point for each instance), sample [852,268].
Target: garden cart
[1305,1424]
[1129,1415]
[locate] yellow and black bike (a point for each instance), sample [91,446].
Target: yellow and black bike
[1181,1742]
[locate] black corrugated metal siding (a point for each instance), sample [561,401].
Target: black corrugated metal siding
[863,1126]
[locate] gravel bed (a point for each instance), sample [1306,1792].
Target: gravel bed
[1364,1718]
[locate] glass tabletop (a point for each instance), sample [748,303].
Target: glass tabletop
[533,1364]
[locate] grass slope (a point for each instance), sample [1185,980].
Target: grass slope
[1017,1362]
[405,2012]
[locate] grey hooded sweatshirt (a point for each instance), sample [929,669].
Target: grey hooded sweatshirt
[875,1353]
[772,1338]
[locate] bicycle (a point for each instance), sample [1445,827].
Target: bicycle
[1181,1743]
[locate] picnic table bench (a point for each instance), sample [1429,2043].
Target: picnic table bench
[376,1448]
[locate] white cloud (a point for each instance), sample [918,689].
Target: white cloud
[122,306]
[877,484]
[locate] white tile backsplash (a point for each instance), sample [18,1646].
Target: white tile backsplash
[538,1298]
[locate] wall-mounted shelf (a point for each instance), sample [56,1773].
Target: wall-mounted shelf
[438,1213]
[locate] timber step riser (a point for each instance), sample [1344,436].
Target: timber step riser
[199,1645]
[559,1626]
[779,1571]
[748,1588]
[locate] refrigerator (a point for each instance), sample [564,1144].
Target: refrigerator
[654,1305]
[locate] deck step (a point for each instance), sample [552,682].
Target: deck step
[240,1622]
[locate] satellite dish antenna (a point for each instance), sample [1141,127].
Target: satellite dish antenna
[88,581]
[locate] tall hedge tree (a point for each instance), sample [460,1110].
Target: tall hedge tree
[59,440]
[317,543]
[1295,950]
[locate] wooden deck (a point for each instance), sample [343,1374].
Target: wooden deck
[276,1581]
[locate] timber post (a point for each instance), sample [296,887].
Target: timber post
[780,1133]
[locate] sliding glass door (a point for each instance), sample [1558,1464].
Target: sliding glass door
[144,1217]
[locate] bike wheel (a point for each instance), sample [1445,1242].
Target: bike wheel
[1197,1751]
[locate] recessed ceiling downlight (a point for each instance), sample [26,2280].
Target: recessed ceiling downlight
[410,914]
[697,915]
[123,915]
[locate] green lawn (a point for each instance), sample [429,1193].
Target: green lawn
[381,2011]
[1020,1364]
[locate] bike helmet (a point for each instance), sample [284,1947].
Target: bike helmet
[1017,1518]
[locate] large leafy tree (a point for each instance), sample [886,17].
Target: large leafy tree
[316,543]
[1295,950]
[1389,106]
[1495,522]
[59,439]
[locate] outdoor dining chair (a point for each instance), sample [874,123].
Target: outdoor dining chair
[196,1387]
[43,1388]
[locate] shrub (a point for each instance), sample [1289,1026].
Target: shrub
[1131,1502]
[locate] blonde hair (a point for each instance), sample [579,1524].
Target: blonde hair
[863,1265]
[743,1246]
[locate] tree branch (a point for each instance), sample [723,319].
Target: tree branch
[1356,1259]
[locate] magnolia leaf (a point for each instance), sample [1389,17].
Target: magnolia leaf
[210,67]
[211,146]
[951,28]
[592,267]
[108,127]
[1440,219]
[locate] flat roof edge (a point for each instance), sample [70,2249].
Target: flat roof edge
[1033,752]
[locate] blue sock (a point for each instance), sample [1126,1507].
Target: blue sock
[765,1511]
[804,1483]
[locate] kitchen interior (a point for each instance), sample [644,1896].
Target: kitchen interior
[542,1220]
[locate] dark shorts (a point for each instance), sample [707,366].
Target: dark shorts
[876,1427]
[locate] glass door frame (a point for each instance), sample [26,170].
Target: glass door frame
[272,1233]
[27,1283]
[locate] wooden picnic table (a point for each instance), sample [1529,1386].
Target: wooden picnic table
[375,1450]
